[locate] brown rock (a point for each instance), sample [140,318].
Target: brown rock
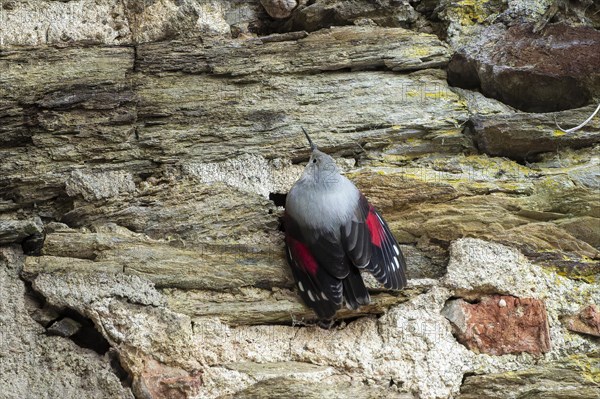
[522,136]
[500,324]
[587,321]
[536,72]
[585,228]
[161,381]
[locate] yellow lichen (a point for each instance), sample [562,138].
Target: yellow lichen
[471,12]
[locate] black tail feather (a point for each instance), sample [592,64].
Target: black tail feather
[355,291]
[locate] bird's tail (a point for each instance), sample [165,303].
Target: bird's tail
[355,292]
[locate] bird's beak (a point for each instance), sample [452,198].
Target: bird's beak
[312,145]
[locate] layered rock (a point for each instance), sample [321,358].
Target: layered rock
[144,161]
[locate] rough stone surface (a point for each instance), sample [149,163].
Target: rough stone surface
[575,378]
[500,324]
[355,47]
[318,14]
[112,22]
[587,321]
[65,327]
[518,136]
[96,186]
[14,230]
[146,148]
[161,381]
[282,387]
[279,8]
[39,366]
[534,72]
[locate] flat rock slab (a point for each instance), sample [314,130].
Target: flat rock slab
[294,388]
[555,69]
[587,321]
[522,136]
[252,306]
[574,377]
[500,324]
[348,47]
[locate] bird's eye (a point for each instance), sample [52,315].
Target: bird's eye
[314,161]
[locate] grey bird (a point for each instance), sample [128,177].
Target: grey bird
[331,234]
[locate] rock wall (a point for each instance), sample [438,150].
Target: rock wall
[146,148]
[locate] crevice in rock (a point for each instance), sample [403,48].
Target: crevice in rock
[121,373]
[465,376]
[135,66]
[85,334]
[398,384]
[33,244]
[278,198]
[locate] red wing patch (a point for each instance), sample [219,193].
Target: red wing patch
[375,227]
[371,245]
[302,254]
[319,289]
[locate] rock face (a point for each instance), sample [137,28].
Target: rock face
[146,148]
[536,72]
[551,380]
[500,324]
[37,365]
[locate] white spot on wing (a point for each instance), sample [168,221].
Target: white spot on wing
[310,295]
[300,286]
[396,250]
[323,296]
[396,264]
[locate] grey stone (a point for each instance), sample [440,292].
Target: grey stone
[15,231]
[37,366]
[569,378]
[65,327]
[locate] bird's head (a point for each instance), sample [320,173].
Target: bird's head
[321,168]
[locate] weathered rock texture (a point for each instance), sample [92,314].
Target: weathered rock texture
[537,72]
[500,324]
[587,321]
[146,148]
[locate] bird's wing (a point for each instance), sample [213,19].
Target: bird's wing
[370,244]
[319,289]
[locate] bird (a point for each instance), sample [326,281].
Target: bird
[332,233]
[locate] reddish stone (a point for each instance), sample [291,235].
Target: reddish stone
[499,324]
[587,321]
[551,70]
[158,381]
